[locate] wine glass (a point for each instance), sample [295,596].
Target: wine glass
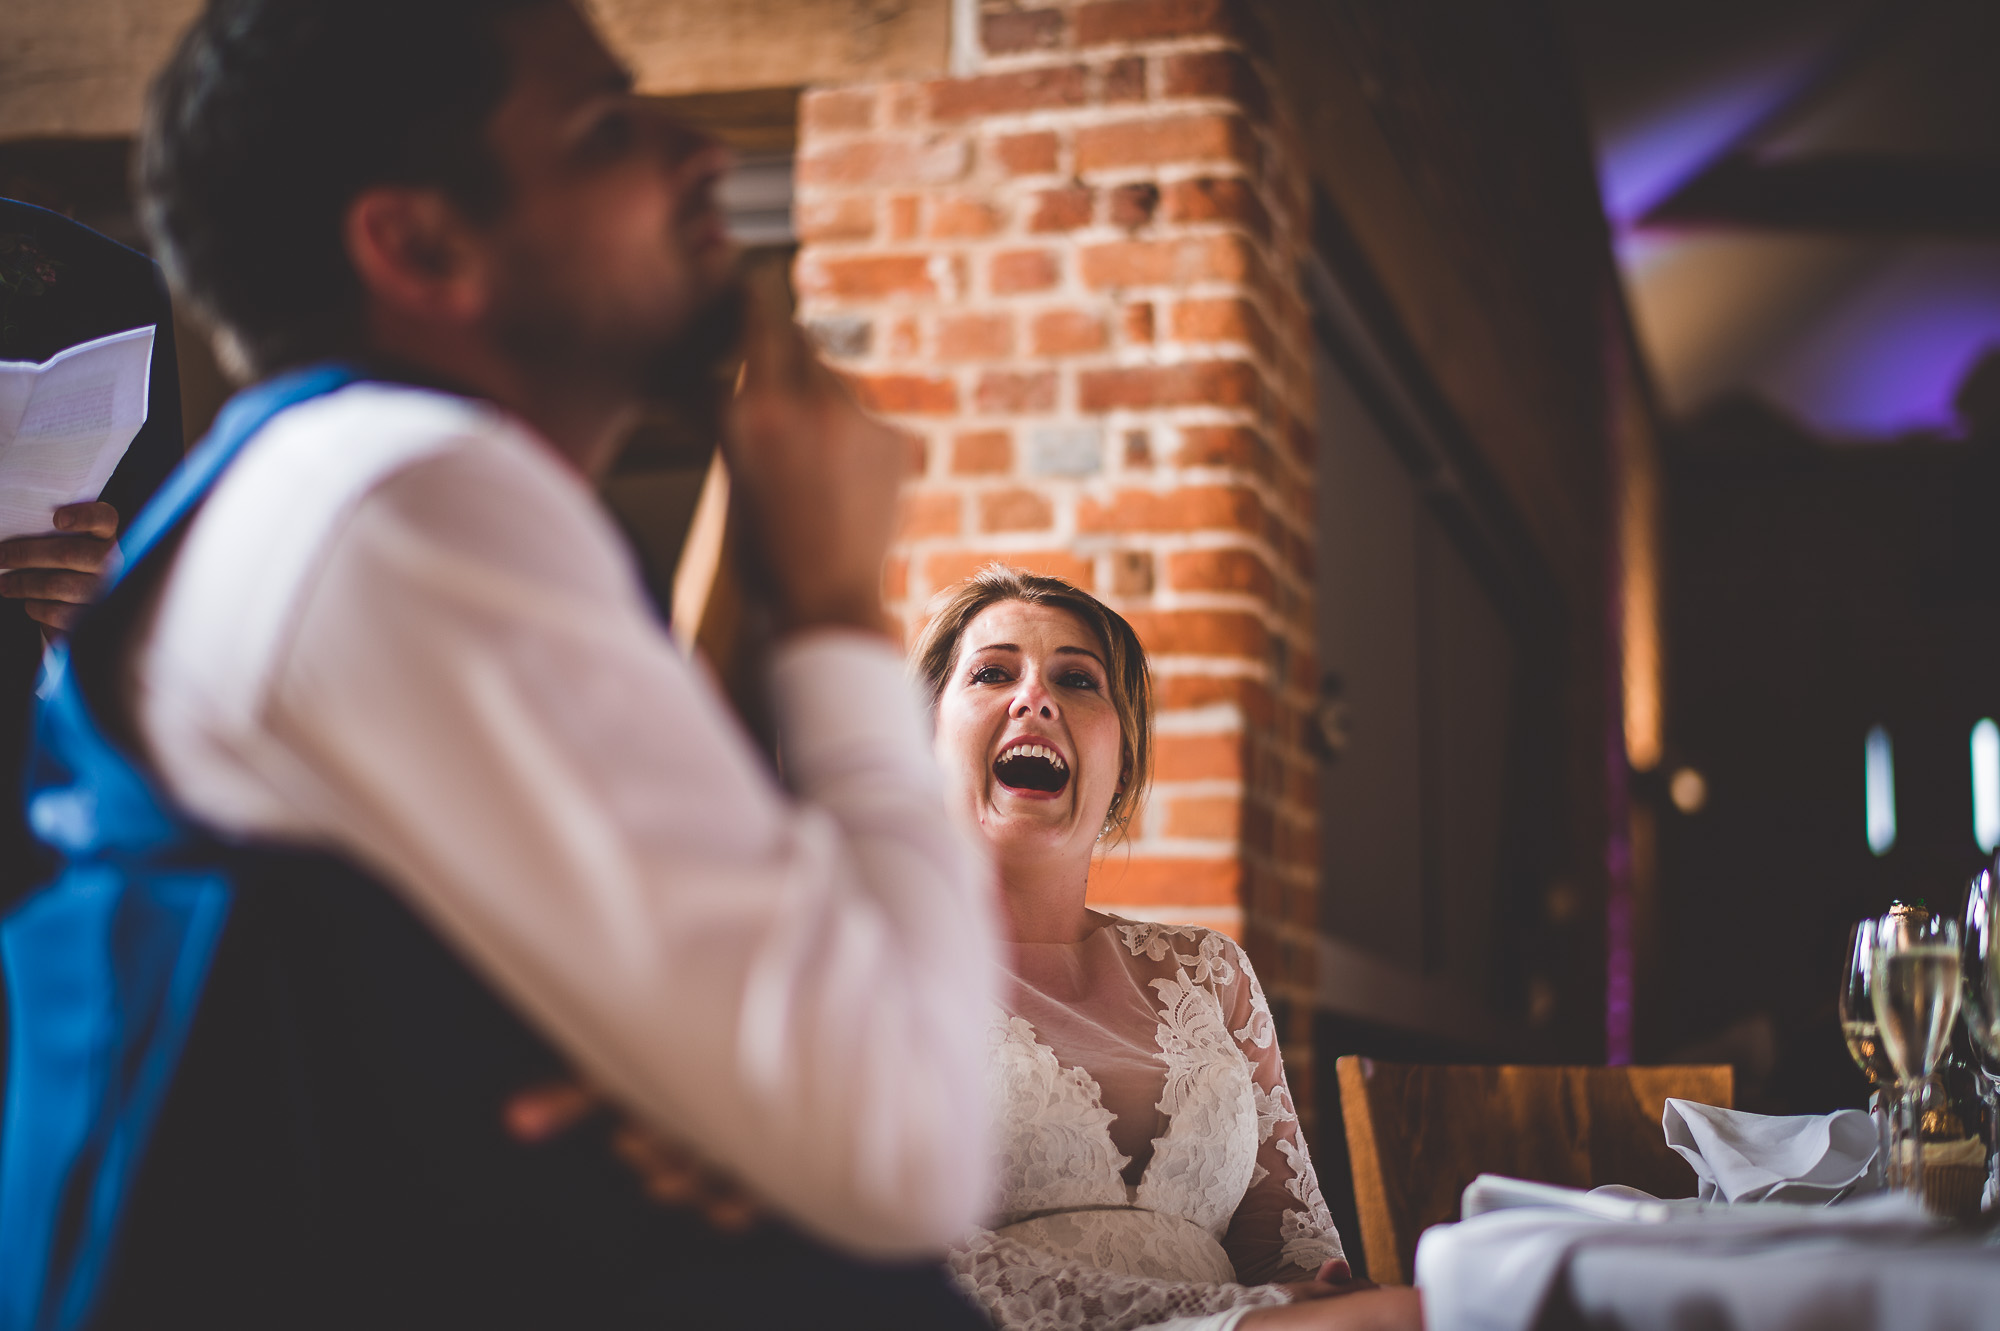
[1980,974]
[1979,967]
[1857,1017]
[1914,983]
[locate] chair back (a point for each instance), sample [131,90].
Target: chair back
[1418,1133]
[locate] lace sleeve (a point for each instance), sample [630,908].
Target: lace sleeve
[1025,1290]
[1281,1230]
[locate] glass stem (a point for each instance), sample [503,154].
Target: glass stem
[1989,1091]
[1905,1148]
[1881,1108]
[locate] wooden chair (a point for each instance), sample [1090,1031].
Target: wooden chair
[1417,1134]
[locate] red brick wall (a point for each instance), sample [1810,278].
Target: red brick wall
[1071,272]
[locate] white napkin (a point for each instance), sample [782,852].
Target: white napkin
[1813,1159]
[1496,1271]
[1497,1192]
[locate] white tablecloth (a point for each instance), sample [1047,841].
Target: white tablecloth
[1877,1265]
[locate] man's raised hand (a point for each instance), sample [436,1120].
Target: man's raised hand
[818,477]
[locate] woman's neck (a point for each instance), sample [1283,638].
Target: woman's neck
[1045,901]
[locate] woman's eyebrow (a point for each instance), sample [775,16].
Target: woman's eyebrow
[1080,651]
[999,647]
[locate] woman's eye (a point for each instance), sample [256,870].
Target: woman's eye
[989,675]
[1077,679]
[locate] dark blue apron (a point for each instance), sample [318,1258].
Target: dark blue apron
[248,1088]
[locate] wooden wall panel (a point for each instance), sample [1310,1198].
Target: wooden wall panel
[1450,145]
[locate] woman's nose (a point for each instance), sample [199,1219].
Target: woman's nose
[1031,701]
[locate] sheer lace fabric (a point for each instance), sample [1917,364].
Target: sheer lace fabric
[1151,1162]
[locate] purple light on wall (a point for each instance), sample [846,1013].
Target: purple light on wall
[1640,164]
[1889,358]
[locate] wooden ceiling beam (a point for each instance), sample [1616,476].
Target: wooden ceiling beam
[1844,193]
[79,68]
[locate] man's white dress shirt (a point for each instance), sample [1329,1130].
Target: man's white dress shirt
[402,628]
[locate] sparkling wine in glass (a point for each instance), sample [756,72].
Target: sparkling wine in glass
[1915,983]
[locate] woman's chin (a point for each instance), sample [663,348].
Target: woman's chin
[1021,821]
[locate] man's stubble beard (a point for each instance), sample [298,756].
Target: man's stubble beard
[536,322]
[688,366]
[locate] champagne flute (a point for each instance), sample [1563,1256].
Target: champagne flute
[1916,992]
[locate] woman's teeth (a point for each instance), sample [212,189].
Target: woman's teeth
[1035,751]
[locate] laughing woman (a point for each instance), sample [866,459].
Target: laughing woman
[1153,1172]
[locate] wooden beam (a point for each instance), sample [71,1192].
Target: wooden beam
[714,45]
[1849,192]
[79,68]
[701,559]
[760,122]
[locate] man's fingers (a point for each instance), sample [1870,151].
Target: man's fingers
[669,1174]
[91,519]
[732,1213]
[654,1158]
[57,615]
[677,1177]
[673,1189]
[776,358]
[85,554]
[42,584]
[542,1112]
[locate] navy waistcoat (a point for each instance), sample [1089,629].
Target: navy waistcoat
[247,1087]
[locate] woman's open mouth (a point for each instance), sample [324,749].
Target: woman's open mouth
[1032,767]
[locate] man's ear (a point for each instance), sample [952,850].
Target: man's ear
[415,255]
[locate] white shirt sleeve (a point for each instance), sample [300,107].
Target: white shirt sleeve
[473,698]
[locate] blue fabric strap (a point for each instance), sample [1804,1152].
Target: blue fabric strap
[105,966]
[240,418]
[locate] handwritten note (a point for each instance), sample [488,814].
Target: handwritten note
[65,423]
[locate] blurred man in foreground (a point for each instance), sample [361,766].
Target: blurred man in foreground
[383,663]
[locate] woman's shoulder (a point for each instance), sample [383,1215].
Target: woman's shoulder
[1209,955]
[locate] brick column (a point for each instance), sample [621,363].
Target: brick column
[1071,272]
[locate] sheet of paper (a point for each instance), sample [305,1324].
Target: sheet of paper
[65,423]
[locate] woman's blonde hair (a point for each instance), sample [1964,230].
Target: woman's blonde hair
[1130,682]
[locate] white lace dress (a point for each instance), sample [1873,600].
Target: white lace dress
[1152,1171]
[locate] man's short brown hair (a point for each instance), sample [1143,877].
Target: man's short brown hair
[268,121]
